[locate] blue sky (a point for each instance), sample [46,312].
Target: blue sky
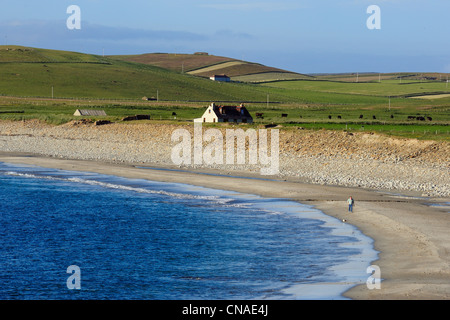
[308,36]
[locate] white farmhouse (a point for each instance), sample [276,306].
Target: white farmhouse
[216,113]
[220,77]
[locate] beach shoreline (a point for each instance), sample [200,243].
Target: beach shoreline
[409,234]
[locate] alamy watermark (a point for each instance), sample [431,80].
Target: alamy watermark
[374,281]
[374,21]
[74,281]
[209,148]
[73,22]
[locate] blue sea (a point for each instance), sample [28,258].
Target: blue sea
[146,240]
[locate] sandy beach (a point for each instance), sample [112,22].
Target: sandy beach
[408,226]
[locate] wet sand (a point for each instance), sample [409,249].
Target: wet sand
[410,234]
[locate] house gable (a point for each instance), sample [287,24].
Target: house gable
[218,113]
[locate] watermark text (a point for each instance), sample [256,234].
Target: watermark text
[239,147]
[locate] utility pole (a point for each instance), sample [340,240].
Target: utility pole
[389,103]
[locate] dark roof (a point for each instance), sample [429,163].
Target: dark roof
[231,112]
[220,76]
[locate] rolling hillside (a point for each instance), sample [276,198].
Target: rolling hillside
[174,62]
[31,72]
[205,65]
[20,54]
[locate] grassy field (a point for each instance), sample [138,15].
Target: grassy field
[112,79]
[384,88]
[264,77]
[59,111]
[205,65]
[19,54]
[376,77]
[79,81]
[211,70]
[175,62]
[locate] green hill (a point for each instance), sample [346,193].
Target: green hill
[19,54]
[204,65]
[175,61]
[34,72]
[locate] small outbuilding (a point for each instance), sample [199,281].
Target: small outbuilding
[217,113]
[87,113]
[220,77]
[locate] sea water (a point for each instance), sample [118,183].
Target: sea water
[139,239]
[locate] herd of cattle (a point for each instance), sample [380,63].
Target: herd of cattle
[420,118]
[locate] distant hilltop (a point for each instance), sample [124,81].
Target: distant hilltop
[202,64]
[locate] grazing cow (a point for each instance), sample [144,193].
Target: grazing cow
[392,116]
[339,117]
[259,115]
[284,115]
[102,122]
[374,118]
[174,113]
[142,117]
[420,118]
[361,116]
[329,117]
[411,117]
[429,119]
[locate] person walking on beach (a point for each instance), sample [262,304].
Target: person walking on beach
[351,203]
